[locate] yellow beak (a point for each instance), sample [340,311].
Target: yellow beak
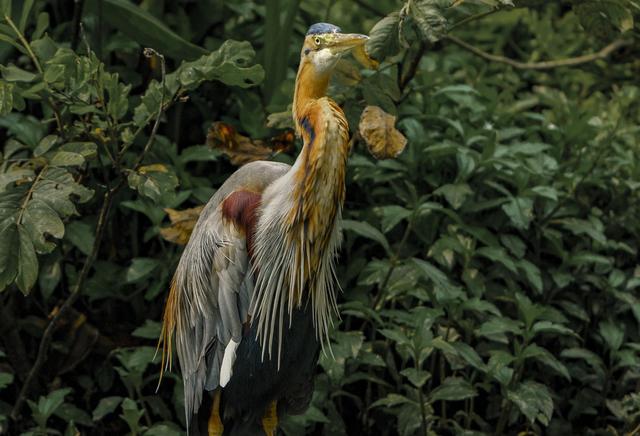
[341,42]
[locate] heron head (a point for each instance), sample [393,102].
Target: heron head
[324,44]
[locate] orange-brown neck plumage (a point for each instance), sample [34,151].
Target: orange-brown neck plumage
[310,86]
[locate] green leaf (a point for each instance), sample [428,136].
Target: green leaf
[66,159]
[520,212]
[543,356]
[417,377]
[383,37]
[6,97]
[453,389]
[70,413]
[27,262]
[147,30]
[38,207]
[604,17]
[174,430]
[592,227]
[498,254]
[230,64]
[612,334]
[9,240]
[437,277]
[532,273]
[499,326]
[427,14]
[547,192]
[366,230]
[6,379]
[591,358]
[131,414]
[49,404]
[391,216]
[5,7]
[153,181]
[24,14]
[150,330]
[391,400]
[81,235]
[469,355]
[106,406]
[586,258]
[455,194]
[552,327]
[396,335]
[45,144]
[12,73]
[141,268]
[534,401]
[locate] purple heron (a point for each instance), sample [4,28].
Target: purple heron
[253,295]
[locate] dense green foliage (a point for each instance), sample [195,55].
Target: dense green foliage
[489,273]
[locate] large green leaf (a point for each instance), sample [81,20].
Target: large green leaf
[383,37]
[147,30]
[31,213]
[368,231]
[429,18]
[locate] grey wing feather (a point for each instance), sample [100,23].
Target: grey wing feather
[213,287]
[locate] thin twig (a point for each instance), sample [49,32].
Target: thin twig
[413,67]
[473,18]
[24,42]
[545,65]
[36,62]
[76,23]
[148,52]
[27,197]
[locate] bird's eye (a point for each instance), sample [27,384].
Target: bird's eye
[317,41]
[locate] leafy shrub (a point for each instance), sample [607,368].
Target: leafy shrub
[490,272]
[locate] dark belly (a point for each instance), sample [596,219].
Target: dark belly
[256,382]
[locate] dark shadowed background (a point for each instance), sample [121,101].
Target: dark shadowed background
[490,272]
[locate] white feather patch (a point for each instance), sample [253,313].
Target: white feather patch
[226,369]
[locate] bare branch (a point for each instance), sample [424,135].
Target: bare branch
[546,65]
[149,52]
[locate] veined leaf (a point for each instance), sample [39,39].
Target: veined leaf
[230,64]
[30,213]
[453,389]
[428,17]
[534,401]
[368,231]
[383,38]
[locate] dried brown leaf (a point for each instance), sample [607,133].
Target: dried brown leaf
[378,130]
[182,224]
[242,149]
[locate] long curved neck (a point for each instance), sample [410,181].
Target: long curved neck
[310,86]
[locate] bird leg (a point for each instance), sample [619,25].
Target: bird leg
[270,419]
[215,427]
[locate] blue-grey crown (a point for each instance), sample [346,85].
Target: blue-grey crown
[323,28]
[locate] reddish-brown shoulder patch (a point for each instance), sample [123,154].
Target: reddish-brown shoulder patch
[240,208]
